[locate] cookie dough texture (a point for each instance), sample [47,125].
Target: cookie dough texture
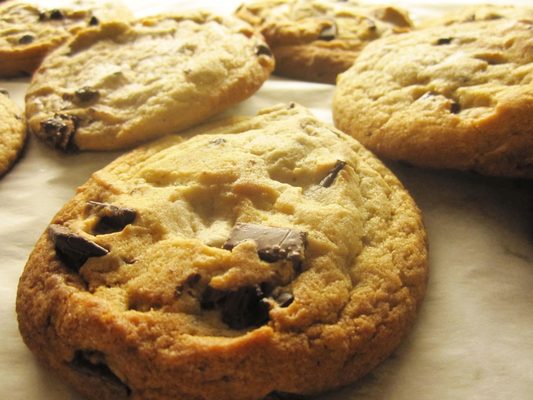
[144,320]
[457,96]
[12,133]
[29,31]
[316,40]
[119,84]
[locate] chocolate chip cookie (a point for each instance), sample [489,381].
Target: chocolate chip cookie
[316,40]
[270,254]
[12,132]
[118,84]
[458,96]
[28,32]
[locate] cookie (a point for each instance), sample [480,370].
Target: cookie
[28,32]
[316,40]
[120,84]
[12,132]
[485,12]
[261,255]
[457,96]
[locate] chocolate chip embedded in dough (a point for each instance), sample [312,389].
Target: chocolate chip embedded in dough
[245,307]
[73,249]
[455,108]
[56,14]
[188,283]
[59,131]
[111,218]
[263,50]
[442,41]
[332,175]
[94,21]
[26,39]
[329,32]
[273,244]
[86,94]
[4,92]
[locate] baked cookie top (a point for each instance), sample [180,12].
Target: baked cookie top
[196,268]
[28,32]
[316,40]
[119,84]
[457,96]
[12,132]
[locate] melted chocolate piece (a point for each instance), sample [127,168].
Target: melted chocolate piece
[263,50]
[241,308]
[442,41]
[86,94]
[455,108]
[112,218]
[59,131]
[273,244]
[73,249]
[191,281]
[94,21]
[329,32]
[332,175]
[93,363]
[26,39]
[56,14]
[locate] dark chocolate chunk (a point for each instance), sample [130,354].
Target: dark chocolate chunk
[73,249]
[112,218]
[93,21]
[332,175]
[455,108]
[329,32]
[241,308]
[441,41]
[263,50]
[273,244]
[284,299]
[92,363]
[86,94]
[59,131]
[26,39]
[56,14]
[245,307]
[191,281]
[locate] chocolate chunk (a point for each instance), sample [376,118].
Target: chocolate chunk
[329,32]
[332,175]
[92,363]
[191,281]
[86,94]
[455,108]
[73,249]
[273,244]
[441,41]
[56,14]
[59,131]
[26,39]
[263,50]
[284,299]
[112,218]
[93,21]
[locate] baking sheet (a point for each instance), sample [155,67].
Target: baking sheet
[473,339]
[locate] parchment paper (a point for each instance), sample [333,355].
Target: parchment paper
[474,337]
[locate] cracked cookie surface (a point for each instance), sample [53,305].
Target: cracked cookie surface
[269,254]
[457,96]
[12,132]
[316,40]
[28,31]
[118,84]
